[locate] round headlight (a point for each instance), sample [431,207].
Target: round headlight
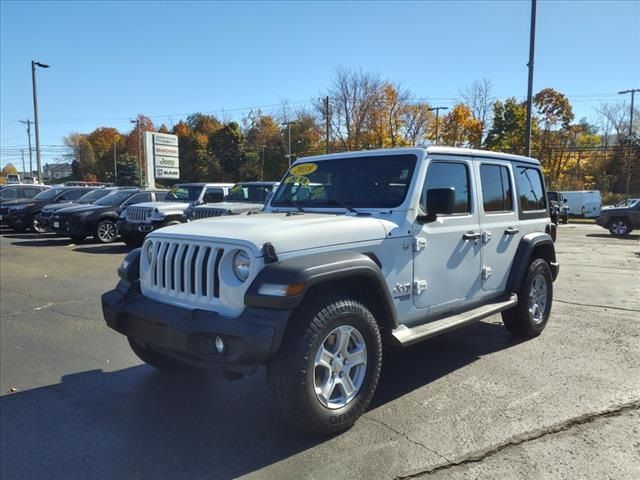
[149,212]
[148,251]
[241,265]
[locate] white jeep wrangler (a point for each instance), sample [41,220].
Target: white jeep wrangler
[354,250]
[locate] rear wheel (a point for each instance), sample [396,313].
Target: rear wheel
[106,231]
[328,367]
[619,227]
[530,316]
[156,359]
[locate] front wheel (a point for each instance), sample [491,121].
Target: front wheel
[619,227]
[328,367]
[36,226]
[530,316]
[106,231]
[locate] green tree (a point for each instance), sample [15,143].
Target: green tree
[226,146]
[128,171]
[507,130]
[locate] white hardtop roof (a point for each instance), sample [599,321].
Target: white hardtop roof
[428,151]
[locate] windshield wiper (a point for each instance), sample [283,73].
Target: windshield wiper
[293,203]
[335,201]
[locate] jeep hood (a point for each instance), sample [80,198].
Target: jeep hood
[231,206]
[164,206]
[286,232]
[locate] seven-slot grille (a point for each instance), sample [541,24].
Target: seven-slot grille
[137,214]
[198,213]
[185,270]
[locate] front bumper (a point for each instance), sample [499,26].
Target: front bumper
[189,335]
[17,219]
[602,221]
[69,226]
[137,229]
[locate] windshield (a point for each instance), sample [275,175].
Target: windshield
[49,194]
[249,193]
[94,195]
[366,182]
[8,193]
[115,198]
[183,193]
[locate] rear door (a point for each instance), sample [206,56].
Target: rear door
[499,222]
[447,251]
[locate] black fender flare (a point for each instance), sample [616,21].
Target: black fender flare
[528,244]
[312,270]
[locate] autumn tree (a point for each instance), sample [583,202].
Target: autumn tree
[225,145]
[458,128]
[102,140]
[479,98]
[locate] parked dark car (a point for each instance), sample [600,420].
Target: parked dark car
[24,214]
[12,194]
[620,221]
[99,219]
[87,199]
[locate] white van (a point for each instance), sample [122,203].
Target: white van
[583,203]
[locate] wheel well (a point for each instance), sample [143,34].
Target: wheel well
[359,287]
[544,251]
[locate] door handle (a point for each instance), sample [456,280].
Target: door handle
[511,231]
[471,236]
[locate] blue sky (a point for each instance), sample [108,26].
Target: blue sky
[112,60]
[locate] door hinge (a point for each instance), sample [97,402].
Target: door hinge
[419,243]
[486,272]
[419,286]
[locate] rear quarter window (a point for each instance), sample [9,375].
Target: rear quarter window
[530,189]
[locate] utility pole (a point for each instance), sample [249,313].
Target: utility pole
[328,128]
[532,44]
[137,122]
[437,110]
[35,64]
[24,169]
[632,91]
[262,164]
[288,125]
[27,122]
[115,162]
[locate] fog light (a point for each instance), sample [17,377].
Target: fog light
[220,346]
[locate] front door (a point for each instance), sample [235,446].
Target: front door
[447,251]
[499,219]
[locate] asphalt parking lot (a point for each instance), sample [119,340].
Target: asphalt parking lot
[77,403]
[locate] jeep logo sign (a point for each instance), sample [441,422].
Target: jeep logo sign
[161,156]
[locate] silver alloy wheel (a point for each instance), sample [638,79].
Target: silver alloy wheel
[340,367]
[538,295]
[107,232]
[36,226]
[619,228]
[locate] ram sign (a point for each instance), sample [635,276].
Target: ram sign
[162,156]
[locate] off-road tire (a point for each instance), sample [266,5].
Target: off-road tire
[519,320]
[156,359]
[291,373]
[619,227]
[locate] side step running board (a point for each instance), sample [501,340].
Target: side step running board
[407,336]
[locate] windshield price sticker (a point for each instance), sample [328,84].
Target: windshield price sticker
[303,169]
[303,181]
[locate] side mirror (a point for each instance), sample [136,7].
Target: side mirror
[440,201]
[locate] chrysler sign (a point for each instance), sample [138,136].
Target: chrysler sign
[162,156]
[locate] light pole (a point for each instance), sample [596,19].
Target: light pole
[137,122]
[262,164]
[35,64]
[532,44]
[27,122]
[115,162]
[437,110]
[288,125]
[632,91]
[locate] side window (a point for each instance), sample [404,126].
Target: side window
[31,192]
[496,188]
[530,190]
[71,195]
[160,196]
[139,198]
[213,195]
[447,175]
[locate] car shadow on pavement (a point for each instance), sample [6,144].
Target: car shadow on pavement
[44,242]
[140,423]
[633,236]
[28,236]
[109,248]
